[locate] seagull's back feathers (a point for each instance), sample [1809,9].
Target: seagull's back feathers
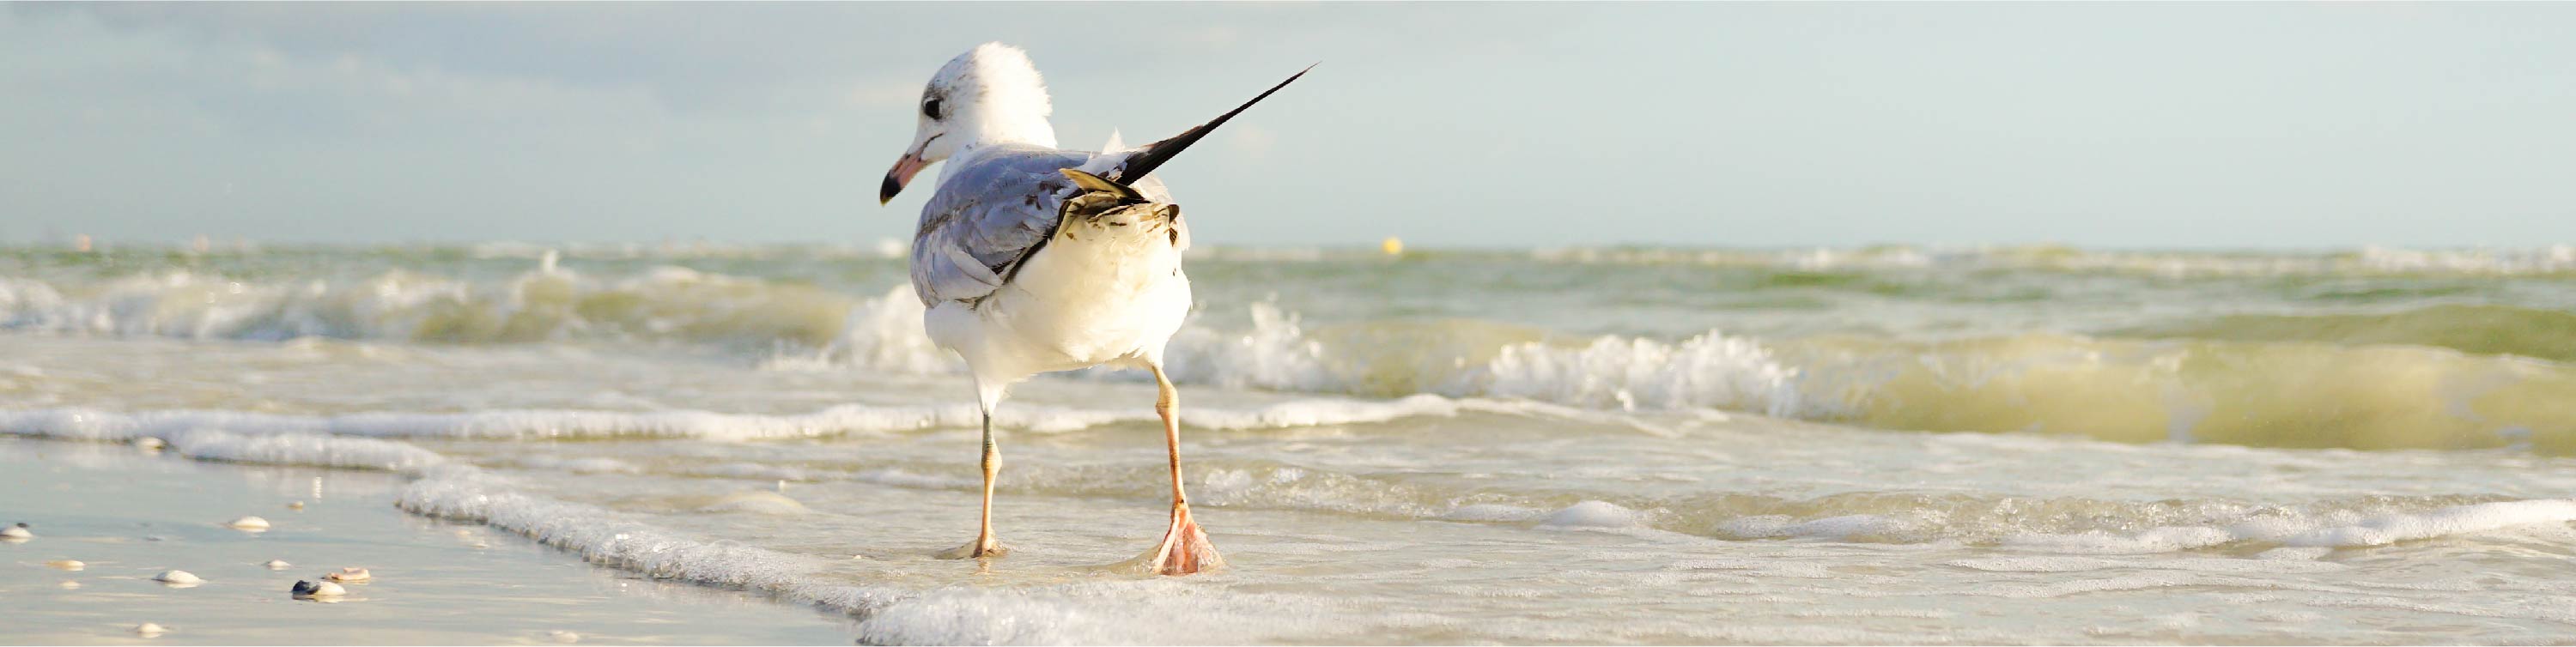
[995,207]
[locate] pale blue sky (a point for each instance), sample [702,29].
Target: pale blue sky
[2127,125]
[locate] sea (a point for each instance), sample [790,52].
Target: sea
[1896,444]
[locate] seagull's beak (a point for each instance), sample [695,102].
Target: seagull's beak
[904,168]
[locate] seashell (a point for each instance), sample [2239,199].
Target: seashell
[69,584]
[350,574]
[277,565]
[17,533]
[562,636]
[308,589]
[149,444]
[178,578]
[67,564]
[150,629]
[253,524]
[299,505]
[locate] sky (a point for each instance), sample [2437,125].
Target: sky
[2163,125]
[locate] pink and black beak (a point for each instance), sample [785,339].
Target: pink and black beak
[904,168]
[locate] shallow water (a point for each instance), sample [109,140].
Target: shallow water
[1625,445]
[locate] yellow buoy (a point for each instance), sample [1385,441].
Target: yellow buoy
[1393,246]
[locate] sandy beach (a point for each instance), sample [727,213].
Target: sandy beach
[127,514]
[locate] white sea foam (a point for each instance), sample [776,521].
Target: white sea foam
[2534,261]
[2158,540]
[2391,528]
[614,539]
[1834,527]
[1493,512]
[2067,564]
[1709,371]
[1275,354]
[2327,530]
[1713,370]
[1096,612]
[756,502]
[884,333]
[1593,514]
[579,465]
[303,449]
[204,435]
[90,424]
[539,305]
[103,425]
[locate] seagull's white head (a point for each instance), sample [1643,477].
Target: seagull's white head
[989,95]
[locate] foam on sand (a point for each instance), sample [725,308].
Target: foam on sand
[211,431]
[1079,613]
[2336,529]
[2460,520]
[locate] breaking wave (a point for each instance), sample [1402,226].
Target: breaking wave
[543,305]
[2260,393]
[2541,333]
[2444,376]
[2556,260]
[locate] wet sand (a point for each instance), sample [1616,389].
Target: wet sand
[128,514]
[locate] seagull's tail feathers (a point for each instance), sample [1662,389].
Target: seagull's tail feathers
[1155,154]
[1089,183]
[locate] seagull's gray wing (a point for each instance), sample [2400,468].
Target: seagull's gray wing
[988,216]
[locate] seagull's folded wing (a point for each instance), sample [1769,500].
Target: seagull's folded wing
[988,216]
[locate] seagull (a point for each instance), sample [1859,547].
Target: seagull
[1032,259]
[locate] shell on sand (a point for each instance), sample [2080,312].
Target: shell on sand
[67,564]
[277,565]
[149,443]
[17,533]
[308,589]
[253,524]
[562,636]
[69,584]
[178,578]
[150,629]
[350,574]
[299,505]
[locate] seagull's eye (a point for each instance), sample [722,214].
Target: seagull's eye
[930,108]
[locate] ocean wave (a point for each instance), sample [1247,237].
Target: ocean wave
[2554,260]
[2259,393]
[303,449]
[2424,378]
[2544,333]
[2256,394]
[546,304]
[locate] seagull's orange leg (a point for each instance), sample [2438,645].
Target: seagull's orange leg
[985,544]
[1185,548]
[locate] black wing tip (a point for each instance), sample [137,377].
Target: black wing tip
[1155,154]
